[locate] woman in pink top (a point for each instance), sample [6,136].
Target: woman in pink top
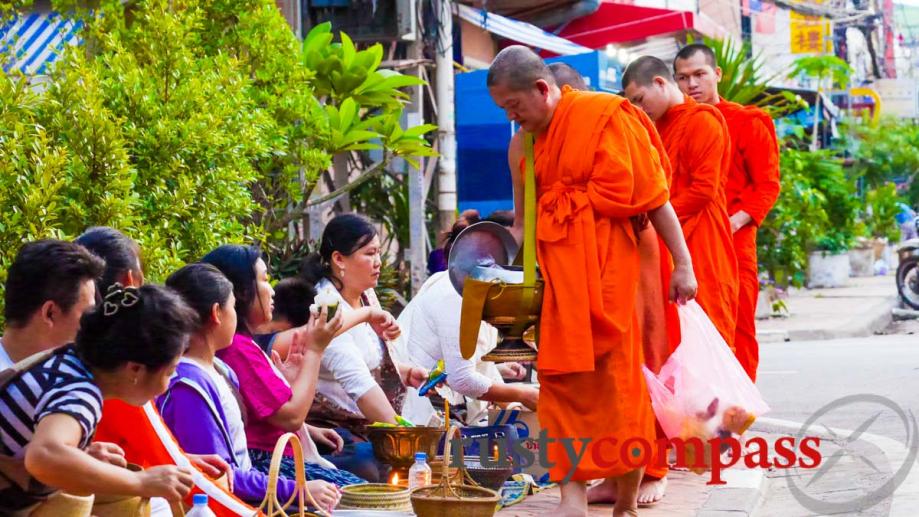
[276,395]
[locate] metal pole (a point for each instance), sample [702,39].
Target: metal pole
[446,177]
[414,113]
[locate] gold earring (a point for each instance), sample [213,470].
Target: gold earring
[342,275]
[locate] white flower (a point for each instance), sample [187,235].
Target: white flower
[326,298]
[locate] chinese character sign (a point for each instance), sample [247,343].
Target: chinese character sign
[810,34]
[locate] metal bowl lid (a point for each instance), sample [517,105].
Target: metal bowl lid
[481,245]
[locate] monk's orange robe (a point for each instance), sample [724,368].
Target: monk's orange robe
[595,169]
[752,186]
[658,319]
[697,142]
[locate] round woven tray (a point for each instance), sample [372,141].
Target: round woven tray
[446,499]
[508,355]
[375,496]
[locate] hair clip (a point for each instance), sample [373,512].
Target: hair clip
[119,296]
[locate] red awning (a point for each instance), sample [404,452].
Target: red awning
[619,23]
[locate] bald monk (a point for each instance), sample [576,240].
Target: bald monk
[595,169]
[564,75]
[752,183]
[697,142]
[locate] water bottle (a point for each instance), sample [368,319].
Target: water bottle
[420,473]
[200,508]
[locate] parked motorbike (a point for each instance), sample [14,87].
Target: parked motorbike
[908,271]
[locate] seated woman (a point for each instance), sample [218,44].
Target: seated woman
[138,433]
[276,395]
[359,383]
[293,298]
[201,406]
[126,349]
[432,321]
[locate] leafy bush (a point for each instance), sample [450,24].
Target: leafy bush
[188,124]
[886,152]
[881,212]
[796,221]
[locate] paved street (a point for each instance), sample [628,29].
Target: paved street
[799,378]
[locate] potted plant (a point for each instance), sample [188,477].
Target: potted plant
[828,264]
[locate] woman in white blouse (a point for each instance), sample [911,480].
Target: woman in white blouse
[359,382]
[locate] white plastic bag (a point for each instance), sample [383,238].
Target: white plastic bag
[702,391]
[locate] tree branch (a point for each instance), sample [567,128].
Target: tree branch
[374,170]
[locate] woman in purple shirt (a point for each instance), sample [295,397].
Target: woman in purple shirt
[201,406]
[276,395]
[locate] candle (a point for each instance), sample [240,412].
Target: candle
[446,414]
[395,479]
[494,449]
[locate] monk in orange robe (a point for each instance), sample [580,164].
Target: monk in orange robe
[595,169]
[564,75]
[752,184]
[697,142]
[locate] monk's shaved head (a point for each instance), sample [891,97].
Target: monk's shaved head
[643,70]
[566,75]
[518,68]
[647,83]
[696,48]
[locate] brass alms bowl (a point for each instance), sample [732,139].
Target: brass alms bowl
[396,446]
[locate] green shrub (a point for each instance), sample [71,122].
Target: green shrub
[188,124]
[880,216]
[795,223]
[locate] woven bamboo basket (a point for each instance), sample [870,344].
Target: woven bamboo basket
[448,500]
[121,505]
[375,496]
[64,505]
[271,506]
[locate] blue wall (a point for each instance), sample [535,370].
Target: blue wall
[483,133]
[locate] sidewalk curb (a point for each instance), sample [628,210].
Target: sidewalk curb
[876,318]
[741,497]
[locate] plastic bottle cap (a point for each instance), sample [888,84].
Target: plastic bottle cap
[200,499]
[421,456]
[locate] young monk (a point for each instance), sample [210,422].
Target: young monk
[595,169]
[752,183]
[696,139]
[696,143]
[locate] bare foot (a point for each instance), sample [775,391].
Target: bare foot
[651,491]
[603,493]
[573,500]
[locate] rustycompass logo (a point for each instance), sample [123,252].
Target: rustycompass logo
[885,474]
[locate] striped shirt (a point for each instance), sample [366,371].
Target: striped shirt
[60,385]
